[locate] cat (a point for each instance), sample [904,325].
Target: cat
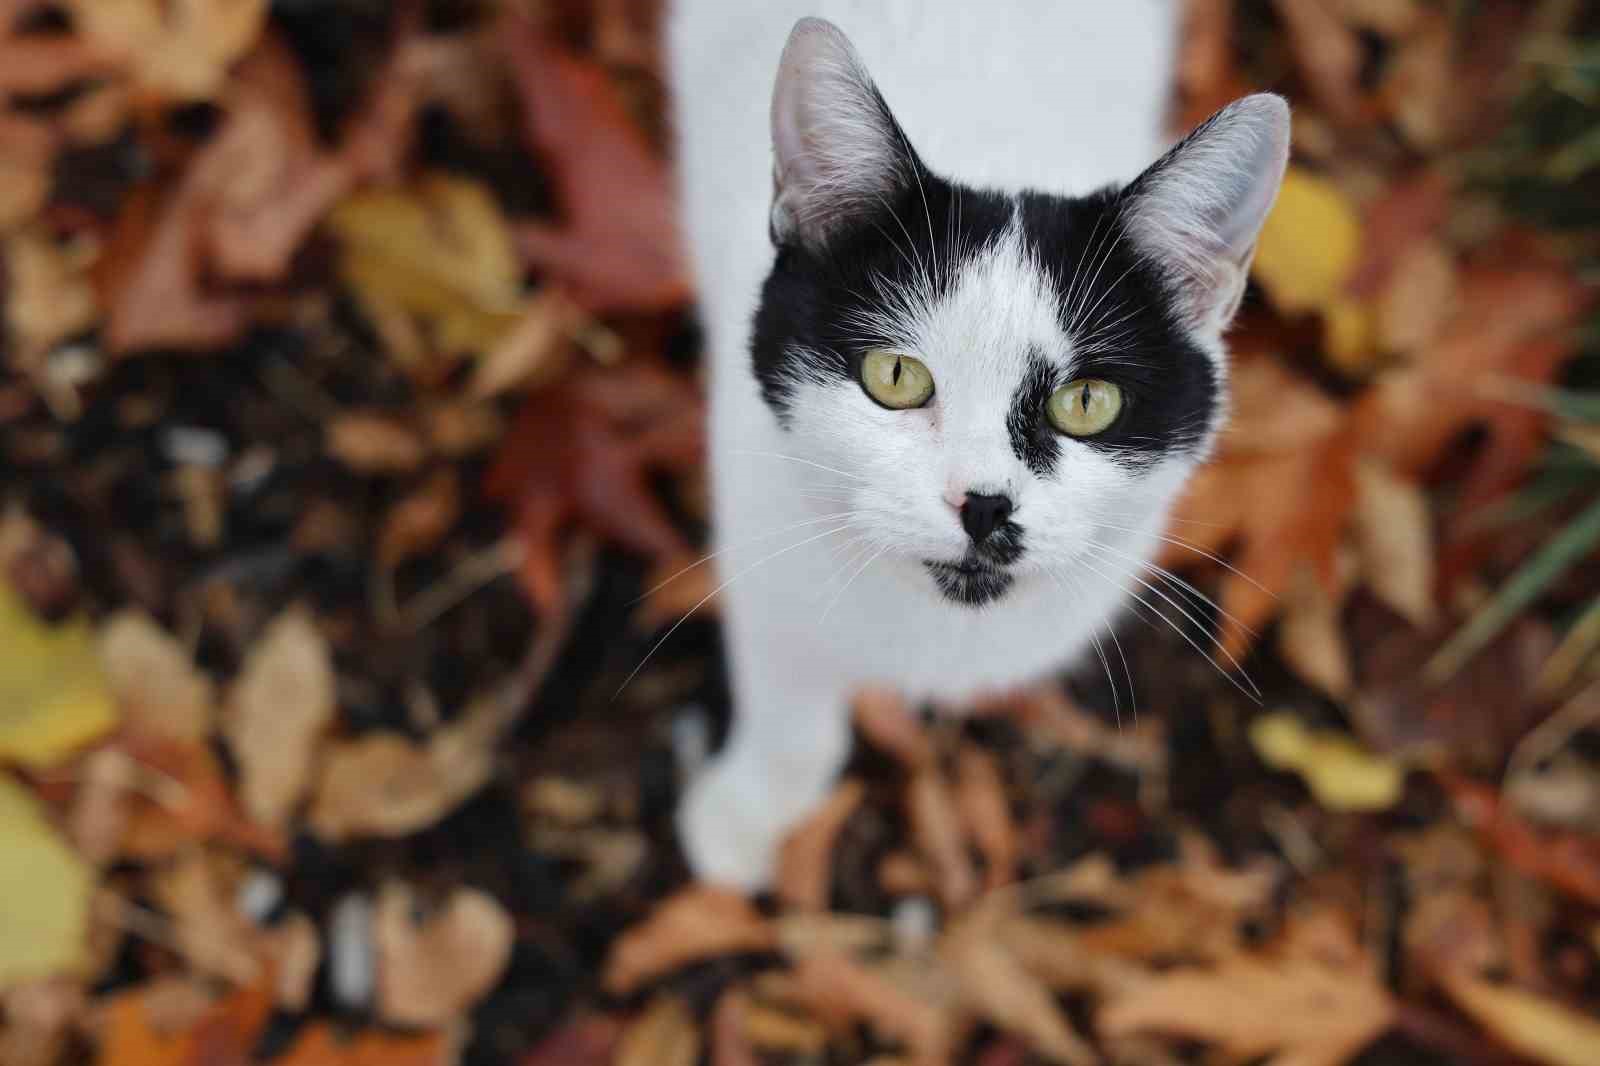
[960,363]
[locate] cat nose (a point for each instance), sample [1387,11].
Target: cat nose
[982,515]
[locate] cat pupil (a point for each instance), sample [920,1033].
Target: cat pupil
[1085,398]
[896,379]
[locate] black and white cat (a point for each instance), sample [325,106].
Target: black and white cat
[961,366]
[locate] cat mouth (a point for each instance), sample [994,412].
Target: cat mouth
[971,582]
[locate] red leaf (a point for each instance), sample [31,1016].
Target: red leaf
[619,247]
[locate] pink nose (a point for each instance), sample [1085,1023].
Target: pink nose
[955,497]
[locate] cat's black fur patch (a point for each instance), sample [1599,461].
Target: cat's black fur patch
[1120,311]
[980,577]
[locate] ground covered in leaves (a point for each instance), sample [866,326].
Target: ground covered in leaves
[348,410]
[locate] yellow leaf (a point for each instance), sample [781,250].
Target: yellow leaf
[53,695]
[1341,774]
[1537,1027]
[1309,245]
[441,252]
[44,892]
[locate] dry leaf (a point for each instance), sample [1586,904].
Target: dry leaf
[1419,299]
[936,828]
[585,452]
[1310,636]
[833,986]
[528,353]
[44,893]
[585,1041]
[419,522]
[986,814]
[888,725]
[179,51]
[372,443]
[214,937]
[618,249]
[384,784]
[664,1035]
[698,923]
[1569,861]
[805,861]
[1305,1008]
[328,1044]
[189,802]
[441,252]
[432,973]
[995,985]
[99,814]
[1394,536]
[156,685]
[50,298]
[1531,1025]
[1329,55]
[283,701]
[1342,775]
[135,1033]
[295,952]
[53,696]
[40,1019]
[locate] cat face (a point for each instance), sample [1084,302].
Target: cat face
[1007,386]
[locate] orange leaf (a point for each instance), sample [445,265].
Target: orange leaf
[696,924]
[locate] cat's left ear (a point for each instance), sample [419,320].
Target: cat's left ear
[1198,210]
[838,152]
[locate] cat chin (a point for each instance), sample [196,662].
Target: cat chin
[969,584]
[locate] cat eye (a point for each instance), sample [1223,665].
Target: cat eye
[896,380]
[1084,407]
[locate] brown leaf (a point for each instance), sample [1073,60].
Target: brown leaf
[159,690]
[585,1041]
[527,354]
[618,248]
[986,814]
[209,930]
[1569,861]
[1329,55]
[805,861]
[664,1035]
[386,785]
[1310,636]
[1394,536]
[583,452]
[419,522]
[327,1044]
[278,709]
[936,828]
[1309,1009]
[180,53]
[50,297]
[835,986]
[433,972]
[698,923]
[1419,299]
[192,803]
[131,1033]
[372,443]
[39,1021]
[1532,1025]
[887,723]
[294,951]
[995,985]
[729,1044]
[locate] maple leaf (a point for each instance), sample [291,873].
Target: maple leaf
[619,247]
[583,452]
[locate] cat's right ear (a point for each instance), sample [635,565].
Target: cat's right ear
[838,151]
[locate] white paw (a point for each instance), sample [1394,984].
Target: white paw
[730,829]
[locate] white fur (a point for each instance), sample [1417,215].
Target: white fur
[1062,95]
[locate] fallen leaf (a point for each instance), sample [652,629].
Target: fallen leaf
[158,689]
[1310,633]
[53,696]
[618,246]
[995,985]
[805,860]
[421,520]
[190,802]
[528,353]
[99,814]
[1309,247]
[41,1017]
[586,1041]
[133,1033]
[328,1044]
[936,829]
[1569,861]
[584,451]
[1419,299]
[664,1035]
[179,52]
[372,443]
[1394,536]
[278,709]
[295,953]
[384,784]
[730,1046]
[50,298]
[1341,774]
[1329,55]
[1304,1009]
[44,893]
[433,972]
[1531,1025]
[208,929]
[832,985]
[696,924]
[440,251]
[886,721]
[986,814]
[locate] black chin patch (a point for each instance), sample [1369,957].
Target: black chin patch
[967,584]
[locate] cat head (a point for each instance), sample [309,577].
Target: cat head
[1009,383]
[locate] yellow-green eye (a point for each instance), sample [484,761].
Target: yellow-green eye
[895,379]
[1085,407]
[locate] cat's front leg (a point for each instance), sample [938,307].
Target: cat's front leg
[787,746]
